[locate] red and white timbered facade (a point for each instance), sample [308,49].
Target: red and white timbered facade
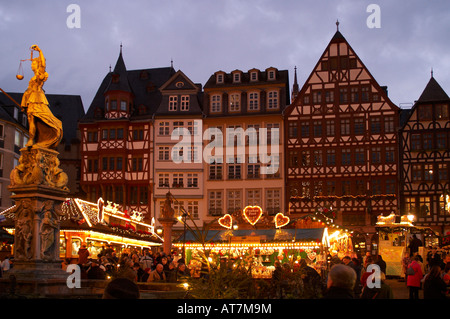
[341,141]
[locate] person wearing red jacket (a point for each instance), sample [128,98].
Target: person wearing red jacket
[413,280]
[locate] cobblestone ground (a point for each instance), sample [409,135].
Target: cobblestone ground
[400,290]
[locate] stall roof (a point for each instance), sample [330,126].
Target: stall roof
[266,235]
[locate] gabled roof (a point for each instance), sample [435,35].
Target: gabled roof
[179,83]
[433,92]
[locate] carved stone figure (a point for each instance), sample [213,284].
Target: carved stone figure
[48,230]
[38,166]
[24,234]
[44,128]
[167,211]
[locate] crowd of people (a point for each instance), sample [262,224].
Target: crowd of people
[352,278]
[136,266]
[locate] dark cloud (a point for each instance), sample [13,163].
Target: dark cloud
[204,36]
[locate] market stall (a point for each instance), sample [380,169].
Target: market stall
[98,225]
[394,236]
[253,239]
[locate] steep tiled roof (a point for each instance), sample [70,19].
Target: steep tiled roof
[433,92]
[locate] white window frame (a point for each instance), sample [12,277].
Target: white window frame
[216,103]
[184,103]
[253,101]
[273,100]
[173,102]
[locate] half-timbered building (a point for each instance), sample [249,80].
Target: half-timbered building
[341,142]
[425,159]
[117,137]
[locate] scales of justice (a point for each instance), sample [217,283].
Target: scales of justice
[38,187]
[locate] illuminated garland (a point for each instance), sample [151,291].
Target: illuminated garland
[335,197]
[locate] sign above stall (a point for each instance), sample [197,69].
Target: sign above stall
[252,214]
[281,220]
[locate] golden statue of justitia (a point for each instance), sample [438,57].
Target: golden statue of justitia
[44,128]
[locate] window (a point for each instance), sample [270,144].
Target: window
[276,132]
[304,126]
[389,124]
[184,103]
[237,77]
[178,180]
[273,201]
[272,75]
[346,187]
[219,78]
[317,128]
[360,157]
[164,128]
[254,197]
[113,105]
[143,195]
[254,76]
[235,102]
[318,161]
[112,134]
[360,187]
[318,188]
[272,100]
[390,154]
[163,153]
[92,137]
[330,127]
[137,164]
[375,125]
[331,188]
[138,134]
[427,141]
[346,157]
[123,105]
[306,189]
[104,163]
[306,161]
[119,163]
[163,180]
[345,127]
[416,143]
[354,94]
[104,134]
[365,94]
[442,112]
[425,112]
[359,126]
[292,129]
[215,171]
[192,180]
[234,201]
[216,103]
[317,97]
[253,101]
[442,172]
[173,101]
[376,187]
[441,140]
[192,208]
[215,199]
[390,186]
[17,138]
[410,205]
[234,171]
[416,173]
[343,95]
[329,96]
[331,157]
[293,159]
[253,171]
[424,206]
[376,155]
[428,172]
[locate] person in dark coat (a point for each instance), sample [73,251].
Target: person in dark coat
[340,283]
[380,262]
[414,245]
[434,286]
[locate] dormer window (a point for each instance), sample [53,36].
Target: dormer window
[271,75]
[173,101]
[253,76]
[236,77]
[184,103]
[219,78]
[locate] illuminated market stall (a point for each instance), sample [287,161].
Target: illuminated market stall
[253,239]
[98,225]
[395,233]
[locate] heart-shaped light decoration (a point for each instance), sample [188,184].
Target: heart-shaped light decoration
[226,221]
[252,214]
[281,220]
